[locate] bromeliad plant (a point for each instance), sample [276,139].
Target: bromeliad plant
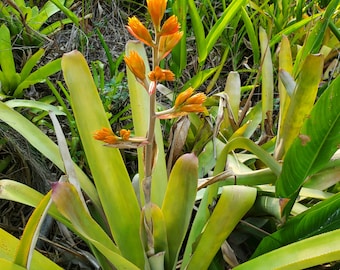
[143,224]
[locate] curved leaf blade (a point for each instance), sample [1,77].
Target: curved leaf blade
[178,203]
[107,166]
[31,232]
[8,246]
[303,99]
[66,198]
[234,203]
[310,252]
[318,141]
[45,145]
[321,218]
[228,15]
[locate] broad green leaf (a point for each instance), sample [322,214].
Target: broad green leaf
[8,247]
[18,192]
[140,106]
[30,63]
[199,78]
[253,178]
[67,200]
[31,233]
[179,202]
[251,35]
[302,101]
[45,145]
[322,217]
[179,53]
[267,93]
[292,28]
[8,265]
[45,13]
[38,76]
[285,65]
[66,11]
[26,103]
[15,191]
[252,120]
[198,29]
[7,60]
[154,237]
[108,169]
[245,143]
[310,252]
[318,141]
[228,15]
[233,90]
[315,38]
[234,203]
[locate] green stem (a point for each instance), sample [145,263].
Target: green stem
[150,148]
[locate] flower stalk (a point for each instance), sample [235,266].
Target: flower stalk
[166,36]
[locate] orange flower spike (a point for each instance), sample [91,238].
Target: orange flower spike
[159,74]
[139,31]
[170,26]
[105,135]
[156,10]
[167,43]
[136,64]
[125,134]
[182,97]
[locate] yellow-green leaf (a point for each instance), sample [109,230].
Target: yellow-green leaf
[178,203]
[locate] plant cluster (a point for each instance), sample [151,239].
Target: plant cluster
[242,186]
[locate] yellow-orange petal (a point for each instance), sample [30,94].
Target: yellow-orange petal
[193,108]
[125,134]
[156,10]
[139,31]
[167,43]
[105,135]
[159,74]
[170,26]
[198,98]
[136,64]
[182,97]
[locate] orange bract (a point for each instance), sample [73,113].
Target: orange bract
[139,31]
[161,75]
[106,135]
[170,26]
[136,64]
[125,134]
[187,102]
[167,43]
[156,10]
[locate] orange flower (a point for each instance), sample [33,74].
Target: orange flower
[185,103]
[192,103]
[198,98]
[125,134]
[170,26]
[156,9]
[105,135]
[167,43]
[139,31]
[136,64]
[193,108]
[182,97]
[161,75]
